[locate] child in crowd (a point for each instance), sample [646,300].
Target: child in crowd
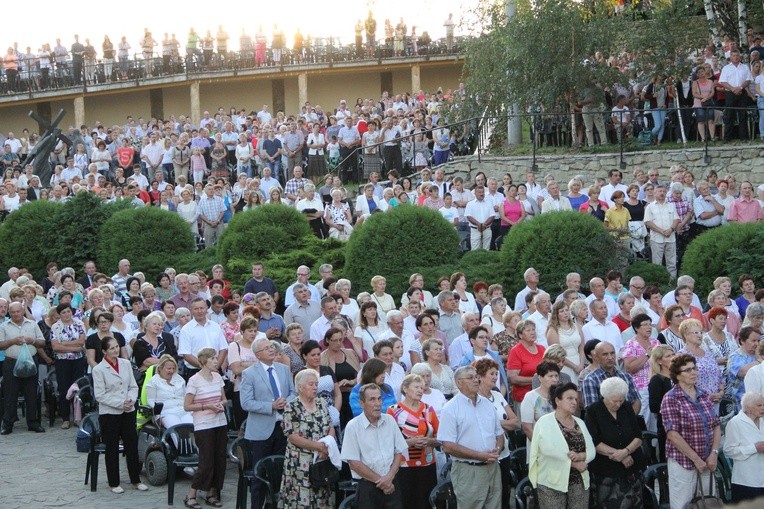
[333,149]
[198,166]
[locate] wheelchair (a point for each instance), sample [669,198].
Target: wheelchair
[161,450]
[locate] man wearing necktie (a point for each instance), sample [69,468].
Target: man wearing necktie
[87,279]
[266,388]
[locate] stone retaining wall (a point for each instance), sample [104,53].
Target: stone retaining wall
[746,162]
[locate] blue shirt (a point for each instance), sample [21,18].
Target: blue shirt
[388,399]
[274,321]
[735,386]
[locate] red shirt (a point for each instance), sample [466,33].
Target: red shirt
[621,322]
[125,156]
[524,361]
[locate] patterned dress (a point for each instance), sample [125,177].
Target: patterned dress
[296,492]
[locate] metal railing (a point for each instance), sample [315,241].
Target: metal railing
[31,78]
[556,129]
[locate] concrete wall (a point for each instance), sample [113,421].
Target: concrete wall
[745,162]
[113,110]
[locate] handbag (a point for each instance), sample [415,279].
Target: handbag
[708,103]
[25,366]
[704,501]
[323,473]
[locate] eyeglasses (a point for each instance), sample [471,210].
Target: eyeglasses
[638,287]
[473,377]
[678,316]
[269,347]
[689,370]
[303,274]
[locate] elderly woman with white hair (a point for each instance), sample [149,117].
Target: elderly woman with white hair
[433,397]
[312,207]
[337,217]
[307,425]
[494,320]
[384,300]
[153,343]
[617,435]
[754,317]
[350,306]
[744,444]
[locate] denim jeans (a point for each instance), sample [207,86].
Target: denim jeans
[760,104]
[659,119]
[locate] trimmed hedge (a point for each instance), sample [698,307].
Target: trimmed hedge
[151,238]
[556,244]
[653,274]
[255,234]
[27,236]
[395,244]
[78,228]
[730,250]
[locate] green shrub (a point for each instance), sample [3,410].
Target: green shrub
[482,265]
[556,244]
[26,237]
[78,228]
[398,243]
[730,250]
[255,234]
[149,237]
[653,274]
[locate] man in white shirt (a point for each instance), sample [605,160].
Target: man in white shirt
[597,287]
[303,277]
[461,197]
[532,187]
[541,317]
[461,344]
[373,447]
[669,299]
[348,138]
[600,327]
[496,199]
[412,350]
[734,79]
[267,182]
[264,116]
[471,434]
[555,202]
[480,214]
[572,282]
[329,312]
[662,221]
[708,211]
[201,332]
[151,155]
[607,191]
[70,171]
[531,277]
[636,289]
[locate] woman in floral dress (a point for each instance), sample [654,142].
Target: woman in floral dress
[306,422]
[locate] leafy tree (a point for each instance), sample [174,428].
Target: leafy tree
[548,50]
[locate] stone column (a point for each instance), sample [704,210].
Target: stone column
[302,88]
[416,82]
[79,111]
[196,108]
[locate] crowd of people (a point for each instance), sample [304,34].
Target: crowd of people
[395,387]
[85,62]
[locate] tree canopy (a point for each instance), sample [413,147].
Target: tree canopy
[552,48]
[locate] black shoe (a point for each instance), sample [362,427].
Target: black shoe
[37,429]
[6,431]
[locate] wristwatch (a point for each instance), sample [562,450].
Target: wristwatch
[715,451]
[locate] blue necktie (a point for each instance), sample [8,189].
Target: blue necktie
[274,387]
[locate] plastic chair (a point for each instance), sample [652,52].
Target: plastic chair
[650,448]
[524,494]
[656,498]
[443,496]
[269,471]
[91,427]
[515,439]
[183,455]
[349,503]
[241,449]
[517,465]
[724,477]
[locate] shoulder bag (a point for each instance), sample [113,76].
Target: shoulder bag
[703,501]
